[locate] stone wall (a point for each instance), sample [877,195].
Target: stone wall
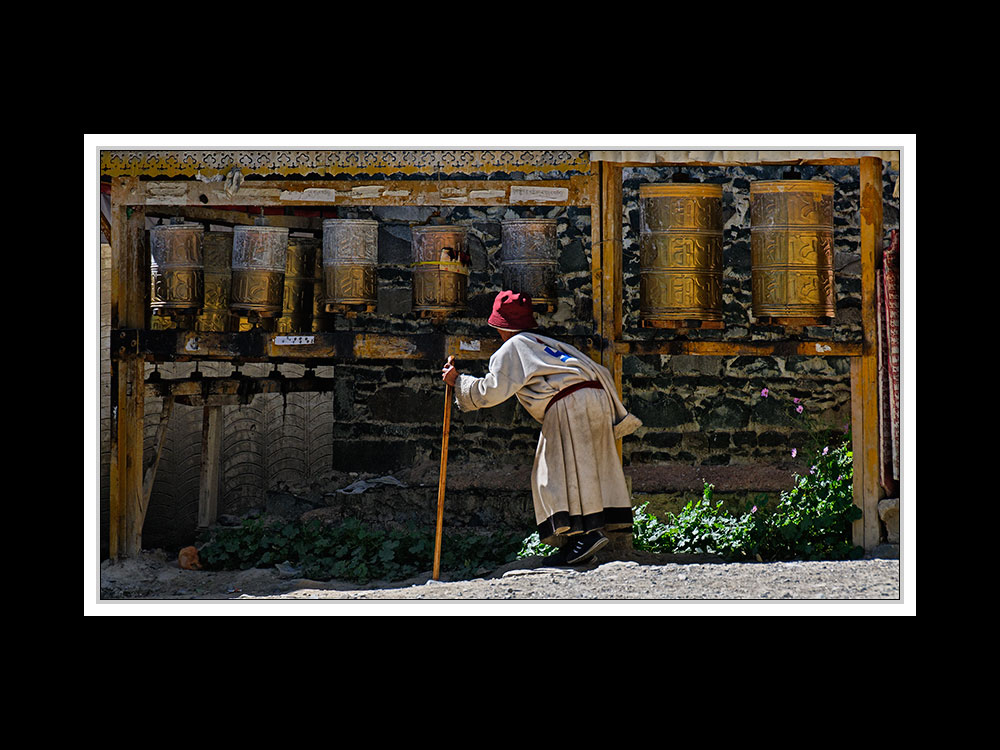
[704,417]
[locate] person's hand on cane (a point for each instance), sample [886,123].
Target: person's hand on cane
[448,373]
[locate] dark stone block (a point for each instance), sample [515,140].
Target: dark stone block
[722,414]
[397,404]
[380,456]
[661,410]
[572,258]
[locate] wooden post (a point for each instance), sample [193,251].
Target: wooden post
[864,369]
[611,272]
[127,390]
[211,466]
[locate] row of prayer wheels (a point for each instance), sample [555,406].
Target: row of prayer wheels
[791,251]
[259,272]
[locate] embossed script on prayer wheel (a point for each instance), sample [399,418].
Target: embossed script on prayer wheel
[176,269]
[297,304]
[440,269]
[791,249]
[680,254]
[529,259]
[350,256]
[218,250]
[259,257]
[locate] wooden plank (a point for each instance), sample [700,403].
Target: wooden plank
[128,258]
[857,448]
[576,191]
[596,254]
[225,217]
[832,161]
[871,241]
[211,466]
[792,348]
[149,472]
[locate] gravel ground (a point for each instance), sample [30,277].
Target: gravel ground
[630,576]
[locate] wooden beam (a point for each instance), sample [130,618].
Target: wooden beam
[128,258]
[791,348]
[211,466]
[864,369]
[576,191]
[230,218]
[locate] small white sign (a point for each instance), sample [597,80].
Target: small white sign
[523,193]
[293,340]
[822,348]
[469,346]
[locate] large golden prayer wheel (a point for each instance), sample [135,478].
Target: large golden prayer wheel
[176,269]
[440,269]
[218,248]
[297,304]
[680,253]
[350,257]
[791,249]
[259,257]
[529,259]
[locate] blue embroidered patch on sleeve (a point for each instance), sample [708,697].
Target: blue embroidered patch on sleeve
[557,353]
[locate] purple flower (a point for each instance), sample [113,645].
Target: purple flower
[764,393]
[826,450]
[794,451]
[799,408]
[753,509]
[795,400]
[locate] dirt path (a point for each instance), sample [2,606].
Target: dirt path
[642,576]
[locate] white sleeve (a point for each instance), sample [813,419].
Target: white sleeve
[491,390]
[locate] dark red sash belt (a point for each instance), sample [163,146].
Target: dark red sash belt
[569,389]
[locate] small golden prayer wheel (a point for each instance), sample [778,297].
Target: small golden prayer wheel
[350,257]
[529,259]
[680,254]
[259,257]
[321,320]
[297,304]
[791,249]
[176,269]
[215,316]
[440,269]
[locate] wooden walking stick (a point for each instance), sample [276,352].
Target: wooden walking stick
[441,477]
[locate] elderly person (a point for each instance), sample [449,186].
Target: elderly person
[577,483]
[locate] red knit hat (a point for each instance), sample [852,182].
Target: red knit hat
[512,311]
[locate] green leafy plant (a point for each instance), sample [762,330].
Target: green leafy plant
[351,551]
[812,521]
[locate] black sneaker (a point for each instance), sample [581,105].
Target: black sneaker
[582,548]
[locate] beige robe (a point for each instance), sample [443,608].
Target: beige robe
[577,482]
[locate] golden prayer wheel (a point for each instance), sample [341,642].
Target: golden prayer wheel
[680,253]
[259,257]
[440,268]
[297,304]
[791,249]
[218,248]
[176,269]
[350,257]
[321,320]
[529,259]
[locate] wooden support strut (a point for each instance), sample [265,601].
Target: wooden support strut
[864,369]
